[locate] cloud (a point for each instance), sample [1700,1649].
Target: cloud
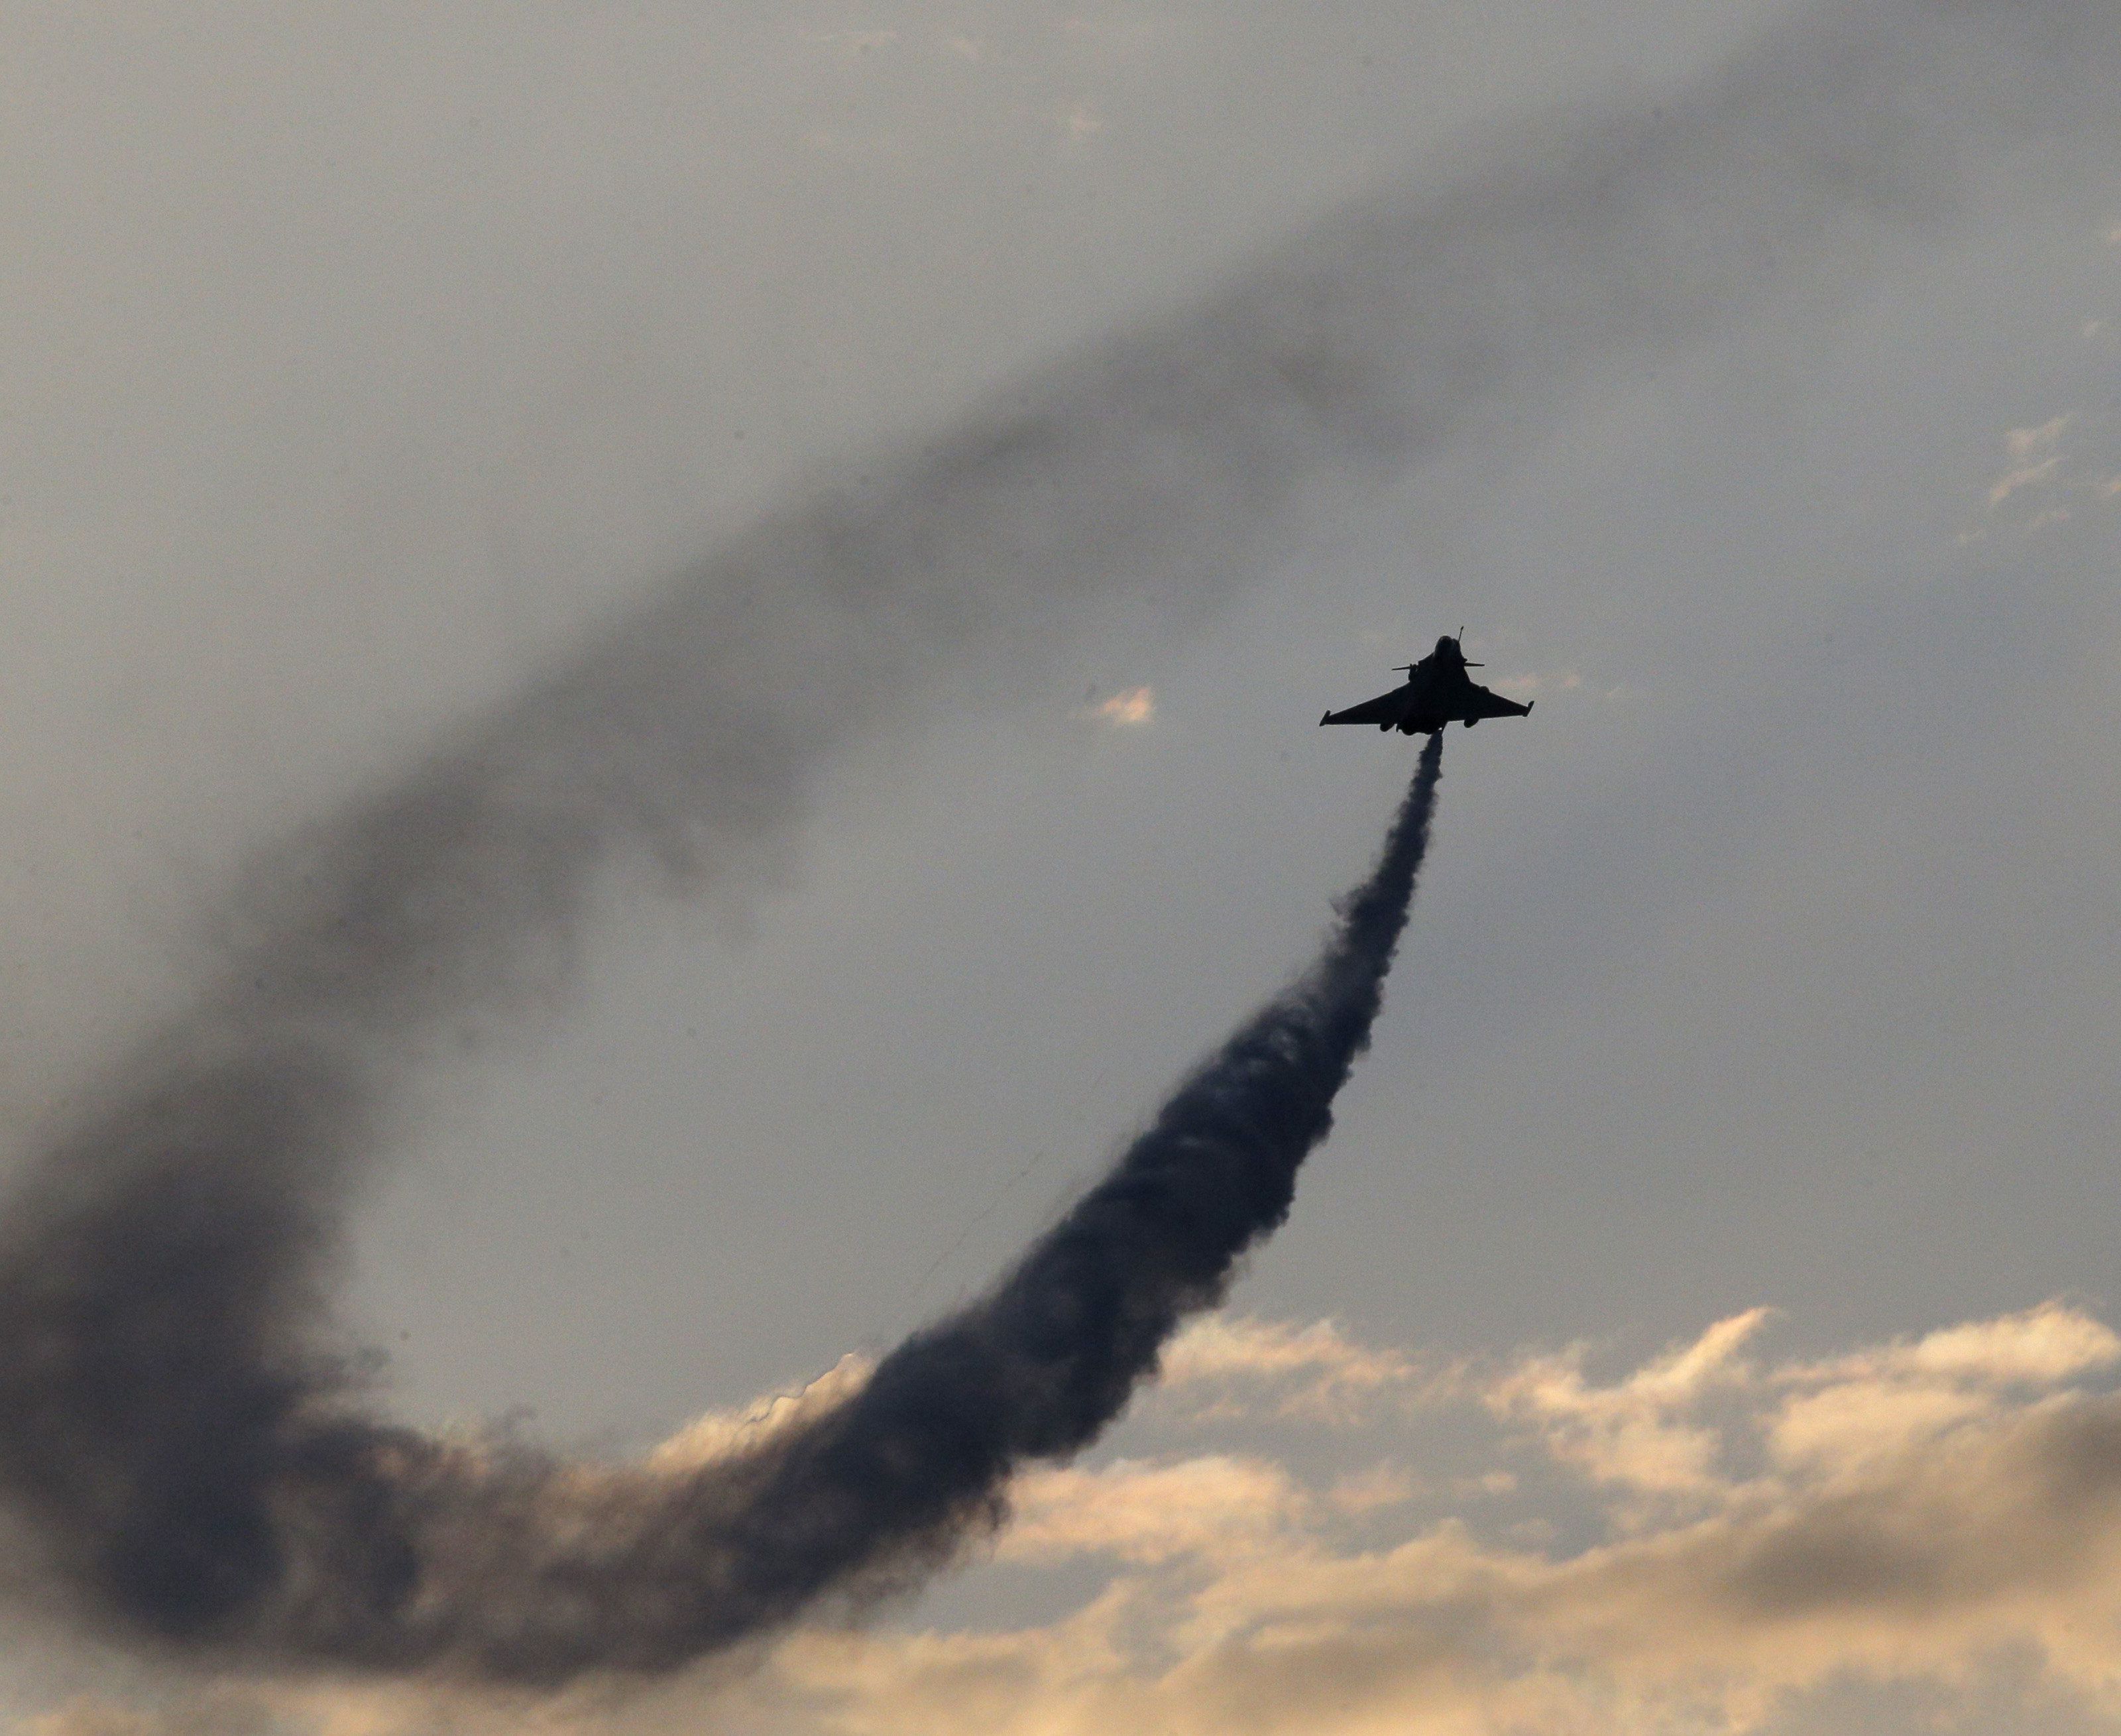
[1634,1433]
[2052,466]
[1210,1508]
[1938,1517]
[2046,1345]
[1226,1365]
[719,1435]
[2035,456]
[2029,443]
[1842,1415]
[2024,476]
[1128,709]
[1969,1550]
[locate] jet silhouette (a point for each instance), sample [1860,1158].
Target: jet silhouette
[1437,691]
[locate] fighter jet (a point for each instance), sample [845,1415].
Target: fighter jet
[1437,691]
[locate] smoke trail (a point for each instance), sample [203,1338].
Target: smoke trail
[184,1451]
[205,1486]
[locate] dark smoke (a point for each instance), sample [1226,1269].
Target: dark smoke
[202,1480]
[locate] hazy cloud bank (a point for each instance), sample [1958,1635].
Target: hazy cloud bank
[1937,1518]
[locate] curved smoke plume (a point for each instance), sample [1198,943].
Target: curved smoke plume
[187,1458]
[205,1482]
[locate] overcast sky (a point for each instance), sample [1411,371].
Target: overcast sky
[357,362]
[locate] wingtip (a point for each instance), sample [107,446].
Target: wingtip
[1323,716]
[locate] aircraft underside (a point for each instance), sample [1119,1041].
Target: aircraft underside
[1436,693]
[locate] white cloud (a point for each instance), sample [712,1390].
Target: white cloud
[2025,476]
[2043,1345]
[1969,1547]
[2044,476]
[723,1434]
[1207,1508]
[2028,443]
[1128,709]
[1227,1365]
[1636,1434]
[2035,456]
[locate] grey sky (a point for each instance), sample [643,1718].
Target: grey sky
[355,362]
